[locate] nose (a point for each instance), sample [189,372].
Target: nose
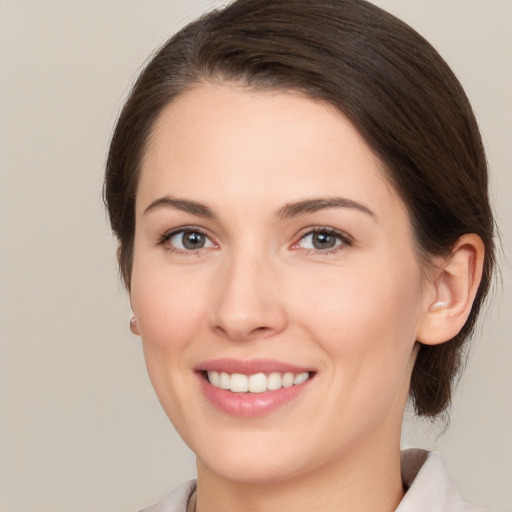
[249,303]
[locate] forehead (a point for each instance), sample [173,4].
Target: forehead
[218,140]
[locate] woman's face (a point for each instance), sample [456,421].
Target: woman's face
[270,249]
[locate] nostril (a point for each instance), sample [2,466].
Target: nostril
[241,333]
[220,330]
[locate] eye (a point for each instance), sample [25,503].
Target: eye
[187,240]
[323,240]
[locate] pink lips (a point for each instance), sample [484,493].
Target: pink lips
[248,405]
[248,367]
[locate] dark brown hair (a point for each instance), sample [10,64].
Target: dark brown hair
[383,76]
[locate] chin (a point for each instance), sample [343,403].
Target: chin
[255,458]
[249,468]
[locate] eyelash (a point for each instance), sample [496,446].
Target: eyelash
[345,240]
[166,237]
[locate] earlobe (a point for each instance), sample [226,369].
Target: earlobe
[453,289]
[134,327]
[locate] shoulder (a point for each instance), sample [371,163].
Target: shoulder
[429,486]
[176,501]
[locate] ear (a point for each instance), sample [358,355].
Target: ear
[134,326]
[451,291]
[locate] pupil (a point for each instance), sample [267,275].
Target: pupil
[193,240]
[323,241]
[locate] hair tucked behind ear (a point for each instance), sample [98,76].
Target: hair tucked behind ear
[392,85]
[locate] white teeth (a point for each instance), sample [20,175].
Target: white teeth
[224,380]
[300,378]
[239,383]
[274,381]
[288,379]
[255,383]
[258,383]
[214,378]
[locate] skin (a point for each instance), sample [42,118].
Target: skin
[260,289]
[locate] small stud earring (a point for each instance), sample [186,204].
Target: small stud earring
[133,325]
[438,305]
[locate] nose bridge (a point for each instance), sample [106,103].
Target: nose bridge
[248,299]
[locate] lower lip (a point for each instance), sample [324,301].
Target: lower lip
[250,405]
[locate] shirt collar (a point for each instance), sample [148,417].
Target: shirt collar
[429,487]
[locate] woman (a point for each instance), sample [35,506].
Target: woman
[299,191]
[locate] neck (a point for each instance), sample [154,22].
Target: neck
[356,482]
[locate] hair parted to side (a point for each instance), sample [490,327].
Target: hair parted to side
[383,76]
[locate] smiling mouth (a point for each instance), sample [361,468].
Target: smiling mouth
[257,382]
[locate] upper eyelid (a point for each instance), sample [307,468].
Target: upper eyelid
[319,229]
[183,229]
[164,241]
[166,235]
[347,241]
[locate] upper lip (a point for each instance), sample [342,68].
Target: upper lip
[249,367]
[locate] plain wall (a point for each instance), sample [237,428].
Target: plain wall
[80,427]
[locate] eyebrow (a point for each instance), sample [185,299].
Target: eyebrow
[293,209]
[312,205]
[184,205]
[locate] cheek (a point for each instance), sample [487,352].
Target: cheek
[169,308]
[342,297]
[365,319]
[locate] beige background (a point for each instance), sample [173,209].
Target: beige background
[80,428]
